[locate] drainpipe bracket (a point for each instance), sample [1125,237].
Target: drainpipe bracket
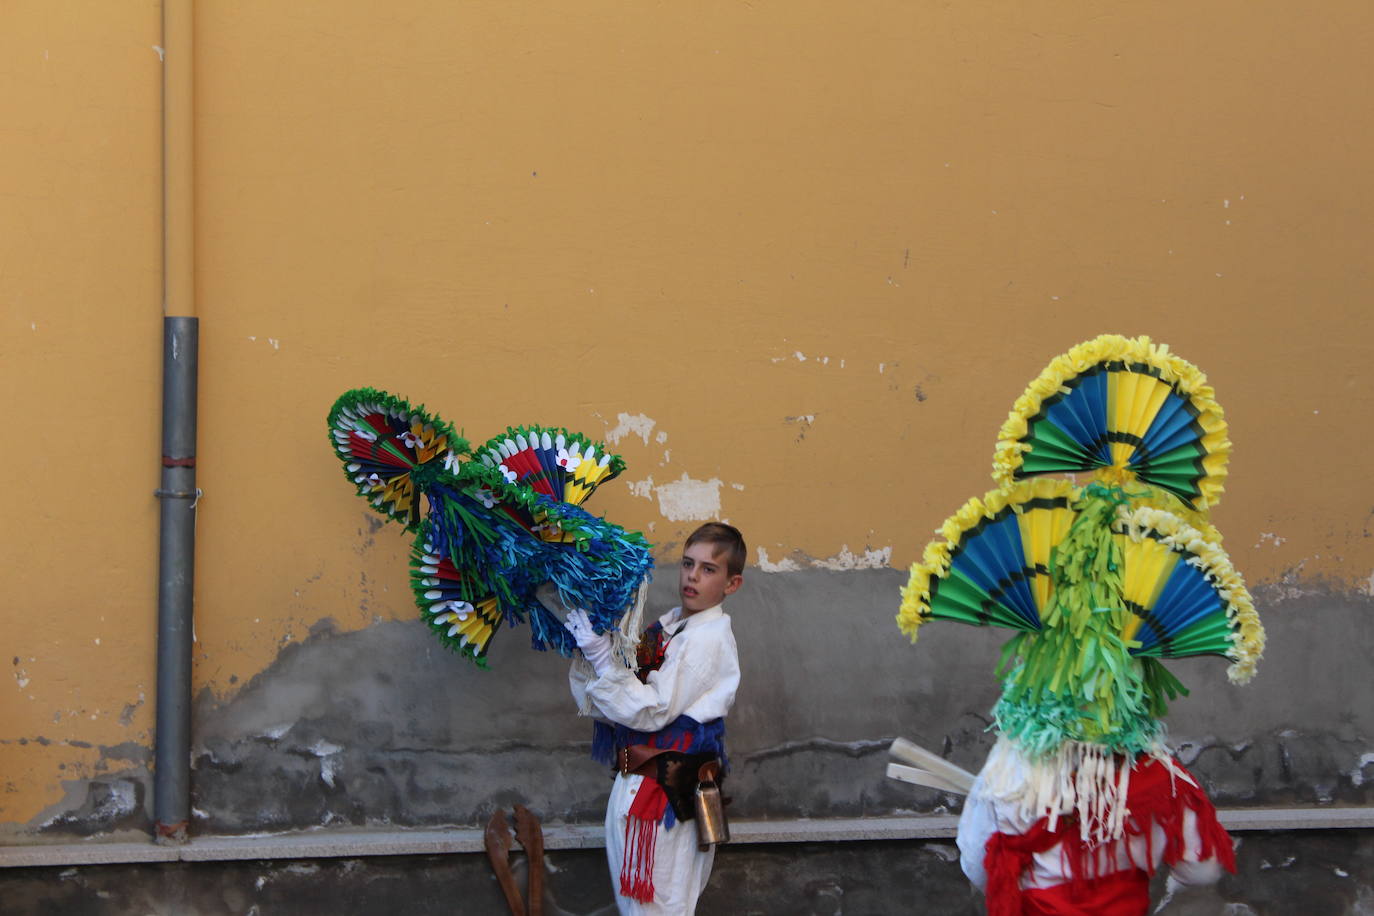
[178,494]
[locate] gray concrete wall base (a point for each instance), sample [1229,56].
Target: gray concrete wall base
[383,729]
[320,844]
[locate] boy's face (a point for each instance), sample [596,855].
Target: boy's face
[703,579]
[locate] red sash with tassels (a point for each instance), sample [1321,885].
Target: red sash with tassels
[641,831]
[647,811]
[1156,797]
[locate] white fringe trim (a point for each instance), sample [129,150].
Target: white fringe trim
[1081,779]
[624,641]
[625,638]
[585,706]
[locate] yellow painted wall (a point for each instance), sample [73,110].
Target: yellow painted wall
[804,254]
[80,344]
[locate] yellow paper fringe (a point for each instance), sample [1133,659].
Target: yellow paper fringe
[1161,499]
[1109,348]
[934,564]
[1247,645]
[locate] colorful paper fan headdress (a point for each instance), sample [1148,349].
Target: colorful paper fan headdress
[495,524]
[1100,581]
[1125,408]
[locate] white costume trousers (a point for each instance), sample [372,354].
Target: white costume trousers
[680,869]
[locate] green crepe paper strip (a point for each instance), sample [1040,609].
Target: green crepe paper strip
[533,502]
[1159,683]
[1086,565]
[473,475]
[481,529]
[1075,679]
[1041,727]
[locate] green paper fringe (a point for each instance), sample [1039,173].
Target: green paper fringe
[1075,680]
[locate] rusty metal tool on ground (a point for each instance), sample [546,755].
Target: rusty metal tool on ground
[531,837]
[497,839]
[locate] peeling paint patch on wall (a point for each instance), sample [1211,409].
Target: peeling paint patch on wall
[689,500]
[869,559]
[786,564]
[844,560]
[632,424]
[801,357]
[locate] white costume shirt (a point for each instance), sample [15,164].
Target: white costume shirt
[698,678]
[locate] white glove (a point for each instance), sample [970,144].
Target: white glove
[595,648]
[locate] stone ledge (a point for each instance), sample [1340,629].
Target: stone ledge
[327,844]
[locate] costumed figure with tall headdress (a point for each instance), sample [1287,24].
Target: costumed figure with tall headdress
[1102,575]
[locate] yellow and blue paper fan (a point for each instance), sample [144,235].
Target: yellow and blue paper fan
[1172,593]
[1125,408]
[991,566]
[1184,595]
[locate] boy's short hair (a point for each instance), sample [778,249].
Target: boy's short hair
[725,538]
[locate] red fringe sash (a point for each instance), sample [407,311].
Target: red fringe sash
[641,830]
[1156,796]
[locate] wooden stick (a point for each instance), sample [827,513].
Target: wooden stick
[931,762]
[531,837]
[497,840]
[923,778]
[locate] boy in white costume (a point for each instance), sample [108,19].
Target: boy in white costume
[667,715]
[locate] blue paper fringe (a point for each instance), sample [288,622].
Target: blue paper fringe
[599,572]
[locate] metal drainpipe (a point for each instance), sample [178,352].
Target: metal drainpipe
[176,577]
[178,493]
